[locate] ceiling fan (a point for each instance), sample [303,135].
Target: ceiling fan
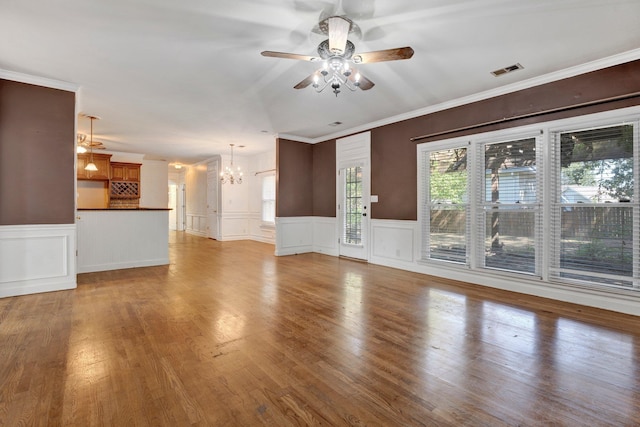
[336,54]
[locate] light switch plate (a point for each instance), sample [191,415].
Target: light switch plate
[374,198]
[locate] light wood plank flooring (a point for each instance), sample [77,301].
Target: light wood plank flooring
[229,335]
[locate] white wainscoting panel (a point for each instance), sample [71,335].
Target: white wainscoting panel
[261,232]
[325,235]
[393,242]
[37,258]
[234,226]
[294,235]
[615,300]
[116,239]
[197,224]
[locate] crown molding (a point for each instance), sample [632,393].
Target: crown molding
[301,138]
[599,64]
[38,81]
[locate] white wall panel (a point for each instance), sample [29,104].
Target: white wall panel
[111,240]
[234,227]
[197,224]
[260,232]
[294,235]
[36,258]
[154,178]
[325,235]
[196,200]
[393,240]
[354,147]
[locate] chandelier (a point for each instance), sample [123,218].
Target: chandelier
[229,174]
[336,73]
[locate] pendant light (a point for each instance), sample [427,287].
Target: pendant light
[91,166]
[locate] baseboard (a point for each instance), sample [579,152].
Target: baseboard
[122,265]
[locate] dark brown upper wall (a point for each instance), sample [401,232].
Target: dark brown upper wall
[393,172]
[37,154]
[574,96]
[394,158]
[324,179]
[393,154]
[294,178]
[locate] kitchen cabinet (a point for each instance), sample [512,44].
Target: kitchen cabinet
[124,190]
[125,180]
[125,171]
[102,162]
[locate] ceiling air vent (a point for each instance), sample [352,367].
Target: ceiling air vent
[506,70]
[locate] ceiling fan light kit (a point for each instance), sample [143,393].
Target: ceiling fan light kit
[80,148]
[336,54]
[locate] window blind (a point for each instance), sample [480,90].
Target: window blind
[446,205]
[560,204]
[595,207]
[508,211]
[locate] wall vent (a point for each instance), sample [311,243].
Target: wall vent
[506,70]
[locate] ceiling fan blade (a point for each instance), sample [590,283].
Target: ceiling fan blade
[289,56]
[362,82]
[383,55]
[338,33]
[306,82]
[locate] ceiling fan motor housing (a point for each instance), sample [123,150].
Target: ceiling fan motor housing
[325,53]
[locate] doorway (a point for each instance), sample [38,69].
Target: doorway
[213,183]
[353,158]
[173,206]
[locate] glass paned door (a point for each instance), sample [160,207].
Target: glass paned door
[353,211]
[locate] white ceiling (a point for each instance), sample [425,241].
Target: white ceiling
[180,80]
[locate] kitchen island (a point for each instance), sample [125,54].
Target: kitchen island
[112,239]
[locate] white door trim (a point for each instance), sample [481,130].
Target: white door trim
[355,150]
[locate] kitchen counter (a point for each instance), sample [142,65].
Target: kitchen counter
[124,209]
[113,239]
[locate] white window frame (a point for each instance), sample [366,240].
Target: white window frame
[264,201]
[426,204]
[547,171]
[482,206]
[555,190]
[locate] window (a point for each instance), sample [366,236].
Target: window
[593,210]
[486,202]
[446,205]
[508,210]
[352,206]
[269,199]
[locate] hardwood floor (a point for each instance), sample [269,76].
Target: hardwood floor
[229,335]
